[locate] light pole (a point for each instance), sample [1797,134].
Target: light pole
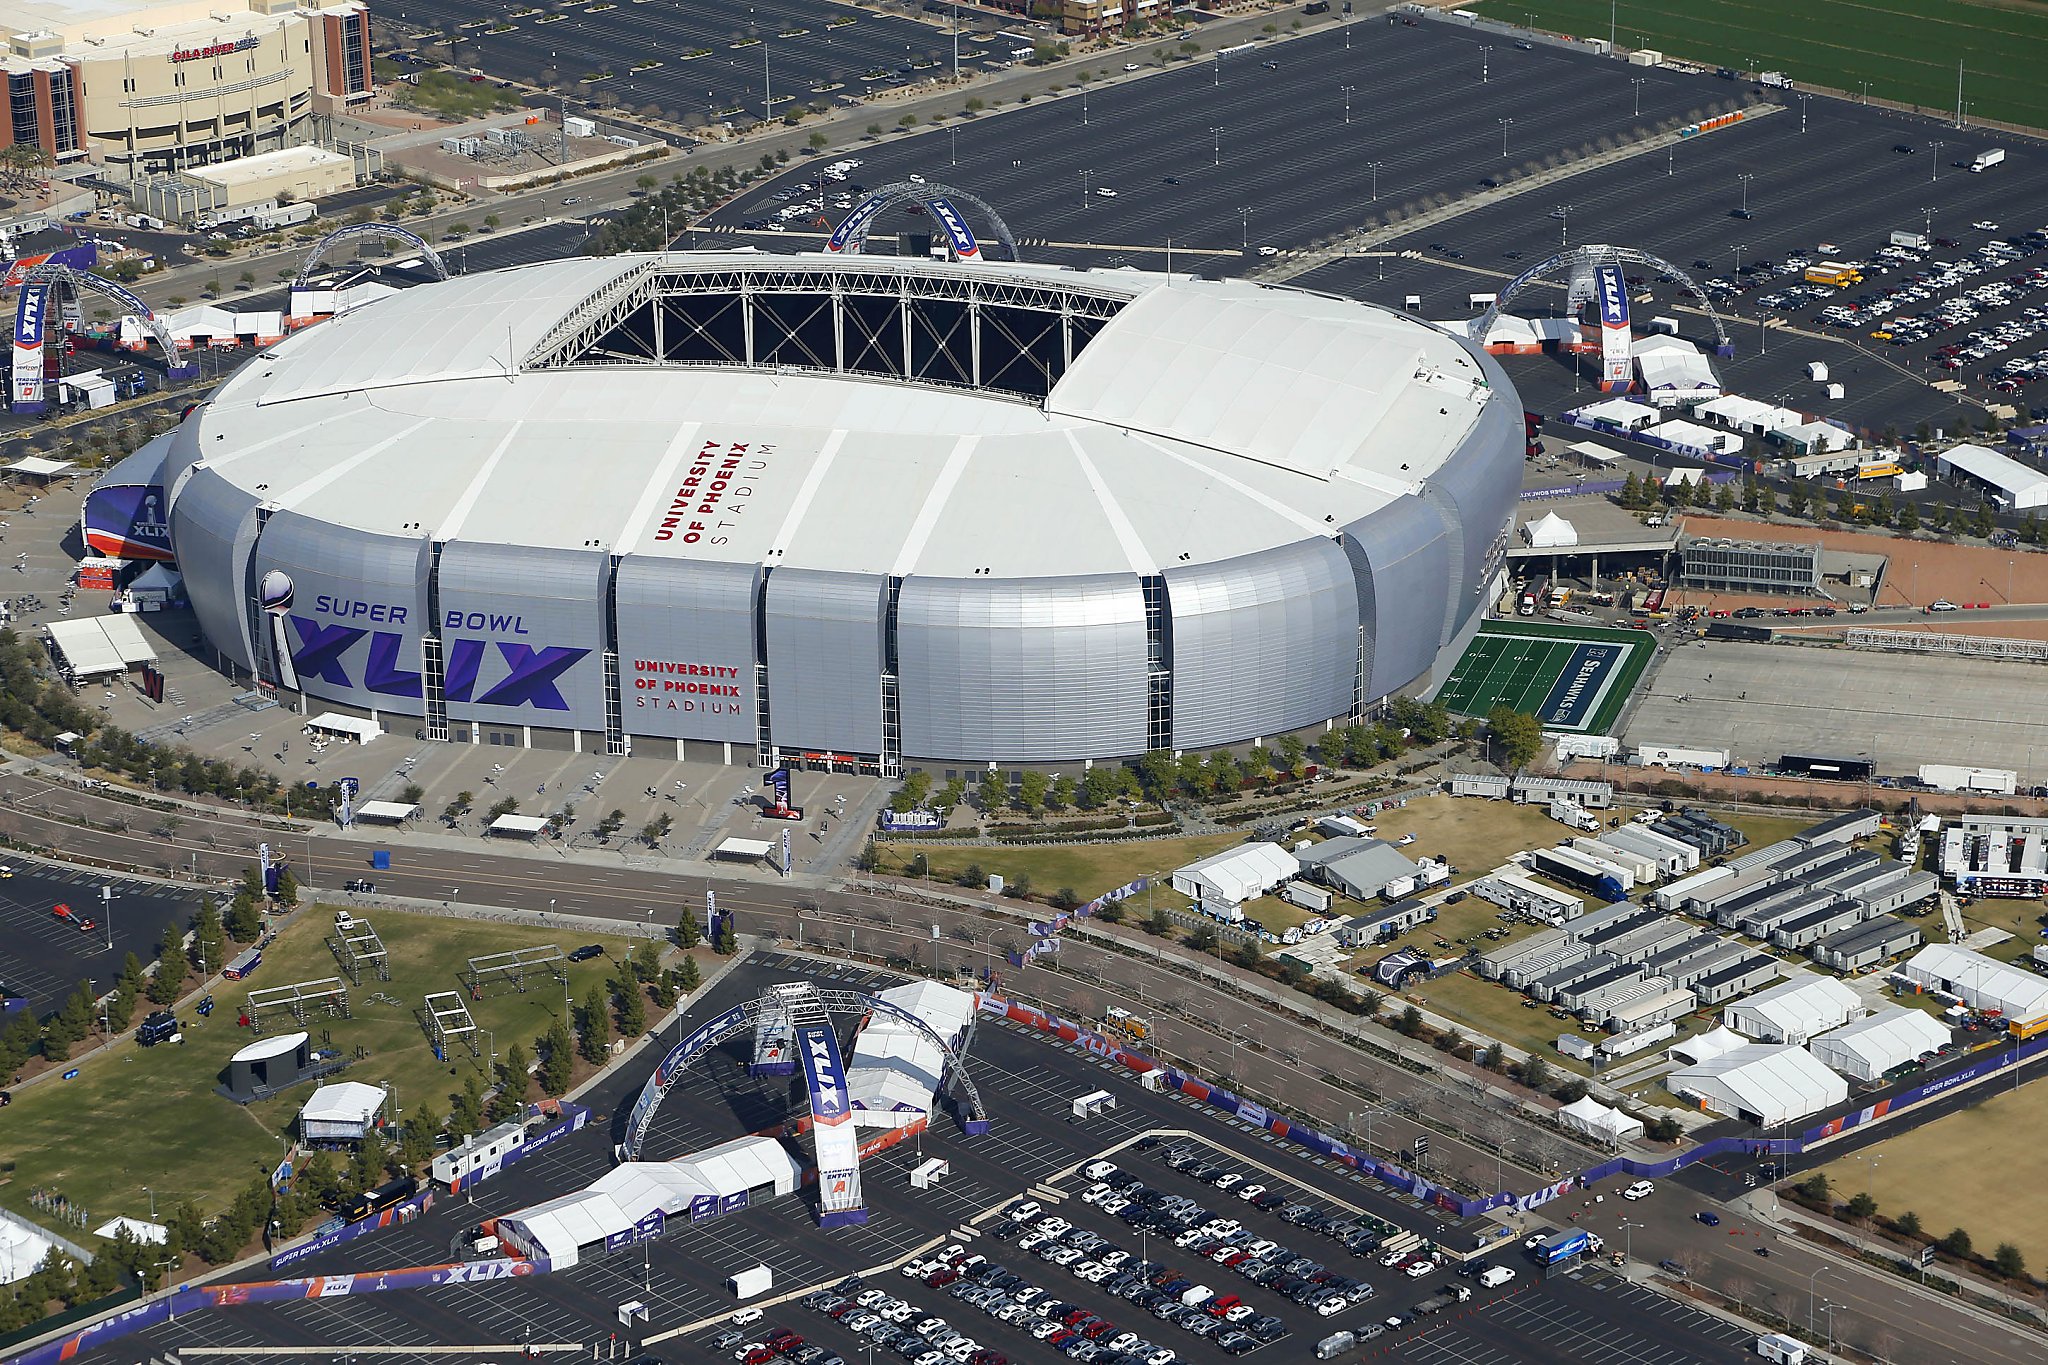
[1216,146]
[1374,167]
[1627,1238]
[1564,224]
[1348,89]
[953,136]
[1505,124]
[1739,249]
[1244,228]
[1485,63]
[1671,159]
[1803,98]
[1818,1271]
[1084,106]
[1084,186]
[1745,178]
[1639,82]
[956,42]
[1934,166]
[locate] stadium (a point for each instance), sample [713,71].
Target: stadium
[847,509]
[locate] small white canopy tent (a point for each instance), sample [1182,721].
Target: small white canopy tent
[1551,531]
[1587,1115]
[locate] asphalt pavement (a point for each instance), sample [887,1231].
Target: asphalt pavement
[43,956]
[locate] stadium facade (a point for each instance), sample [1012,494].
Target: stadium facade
[861,510]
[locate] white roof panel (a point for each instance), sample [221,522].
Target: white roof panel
[87,651]
[342,1102]
[2001,471]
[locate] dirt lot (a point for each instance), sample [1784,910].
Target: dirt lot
[1920,570]
[1997,1193]
[1477,836]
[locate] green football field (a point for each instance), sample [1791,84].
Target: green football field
[1906,50]
[1569,677]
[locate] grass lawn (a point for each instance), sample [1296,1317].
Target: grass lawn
[138,1117]
[1089,869]
[1906,50]
[1477,836]
[1998,1192]
[1768,829]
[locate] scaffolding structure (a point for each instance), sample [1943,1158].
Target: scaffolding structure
[514,969]
[299,1000]
[358,948]
[1957,646]
[448,1020]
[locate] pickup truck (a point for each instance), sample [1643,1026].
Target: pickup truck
[1436,1303]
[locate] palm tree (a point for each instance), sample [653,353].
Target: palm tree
[23,162]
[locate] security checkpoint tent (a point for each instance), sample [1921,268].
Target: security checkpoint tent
[1866,1049]
[1763,1083]
[894,1072]
[1228,879]
[1673,370]
[1794,1010]
[1706,1047]
[1680,432]
[387,812]
[1982,983]
[1548,532]
[341,1112]
[742,850]
[1587,1115]
[83,650]
[1618,412]
[2006,479]
[518,826]
[37,468]
[1592,452]
[728,1176]
[334,725]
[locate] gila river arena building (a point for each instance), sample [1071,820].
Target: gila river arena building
[851,509]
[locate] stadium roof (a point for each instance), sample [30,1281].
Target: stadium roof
[1203,421]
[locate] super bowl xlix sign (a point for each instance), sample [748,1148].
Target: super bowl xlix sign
[200,54]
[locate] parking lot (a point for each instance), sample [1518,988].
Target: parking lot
[1033,1152]
[1221,157]
[1824,170]
[43,957]
[814,51]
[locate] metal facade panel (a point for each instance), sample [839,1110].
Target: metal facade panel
[686,648]
[1262,644]
[1475,493]
[825,659]
[359,607]
[1407,554]
[522,631]
[213,528]
[1022,670]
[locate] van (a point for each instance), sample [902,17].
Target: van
[1493,1277]
[160,1027]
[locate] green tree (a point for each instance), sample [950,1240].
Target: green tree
[1517,735]
[1063,793]
[415,1142]
[208,939]
[1202,939]
[1957,1244]
[556,1062]
[645,961]
[1031,790]
[1907,518]
[993,793]
[818,142]
[1724,497]
[688,932]
[1861,1206]
[1535,1073]
[1885,511]
[632,1008]
[1411,1022]
[1796,502]
[594,1023]
[244,923]
[1815,1187]
[1246,954]
[1944,517]
[466,1107]
[2008,1261]
[1292,752]
[688,978]
[1632,491]
[1984,525]
[1100,787]
[1494,1058]
[728,941]
[1225,776]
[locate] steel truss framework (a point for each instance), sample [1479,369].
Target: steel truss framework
[1596,254]
[745,1017]
[448,1019]
[512,968]
[357,948]
[83,282]
[957,328]
[922,193]
[1962,646]
[299,1000]
[355,230]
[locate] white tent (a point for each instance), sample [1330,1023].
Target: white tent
[1794,1010]
[1620,412]
[1707,1046]
[334,725]
[85,648]
[1551,531]
[147,1233]
[128,640]
[1680,432]
[895,1072]
[1235,875]
[341,1112]
[1866,1049]
[727,1176]
[1764,1083]
[1981,982]
[21,1251]
[1587,1115]
[388,812]
[519,826]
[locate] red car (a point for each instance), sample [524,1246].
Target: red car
[61,911]
[783,1342]
[939,1279]
[1222,1304]
[1098,1329]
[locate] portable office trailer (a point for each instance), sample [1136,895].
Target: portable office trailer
[1493,965]
[1752,971]
[1606,919]
[1530,789]
[1546,987]
[1641,868]
[1865,945]
[1530,969]
[1640,942]
[1816,924]
[1728,902]
[1764,922]
[1664,1007]
[1888,895]
[1842,829]
[1595,1012]
[1587,998]
[1634,1040]
[1514,892]
[1679,894]
[1697,941]
[1674,859]
[1764,857]
[1487,785]
[1716,957]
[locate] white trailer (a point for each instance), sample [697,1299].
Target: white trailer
[1640,866]
[749,1283]
[1984,161]
[1677,895]
[1950,777]
[1307,896]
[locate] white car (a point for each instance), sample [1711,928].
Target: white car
[1023,1211]
[1252,1191]
[1419,1269]
[1330,1308]
[1228,1180]
[1982,224]
[1269,251]
[1130,66]
[1105,191]
[1095,1194]
[917,1270]
[1099,1170]
[745,1316]
[1642,1189]
[1055,1227]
